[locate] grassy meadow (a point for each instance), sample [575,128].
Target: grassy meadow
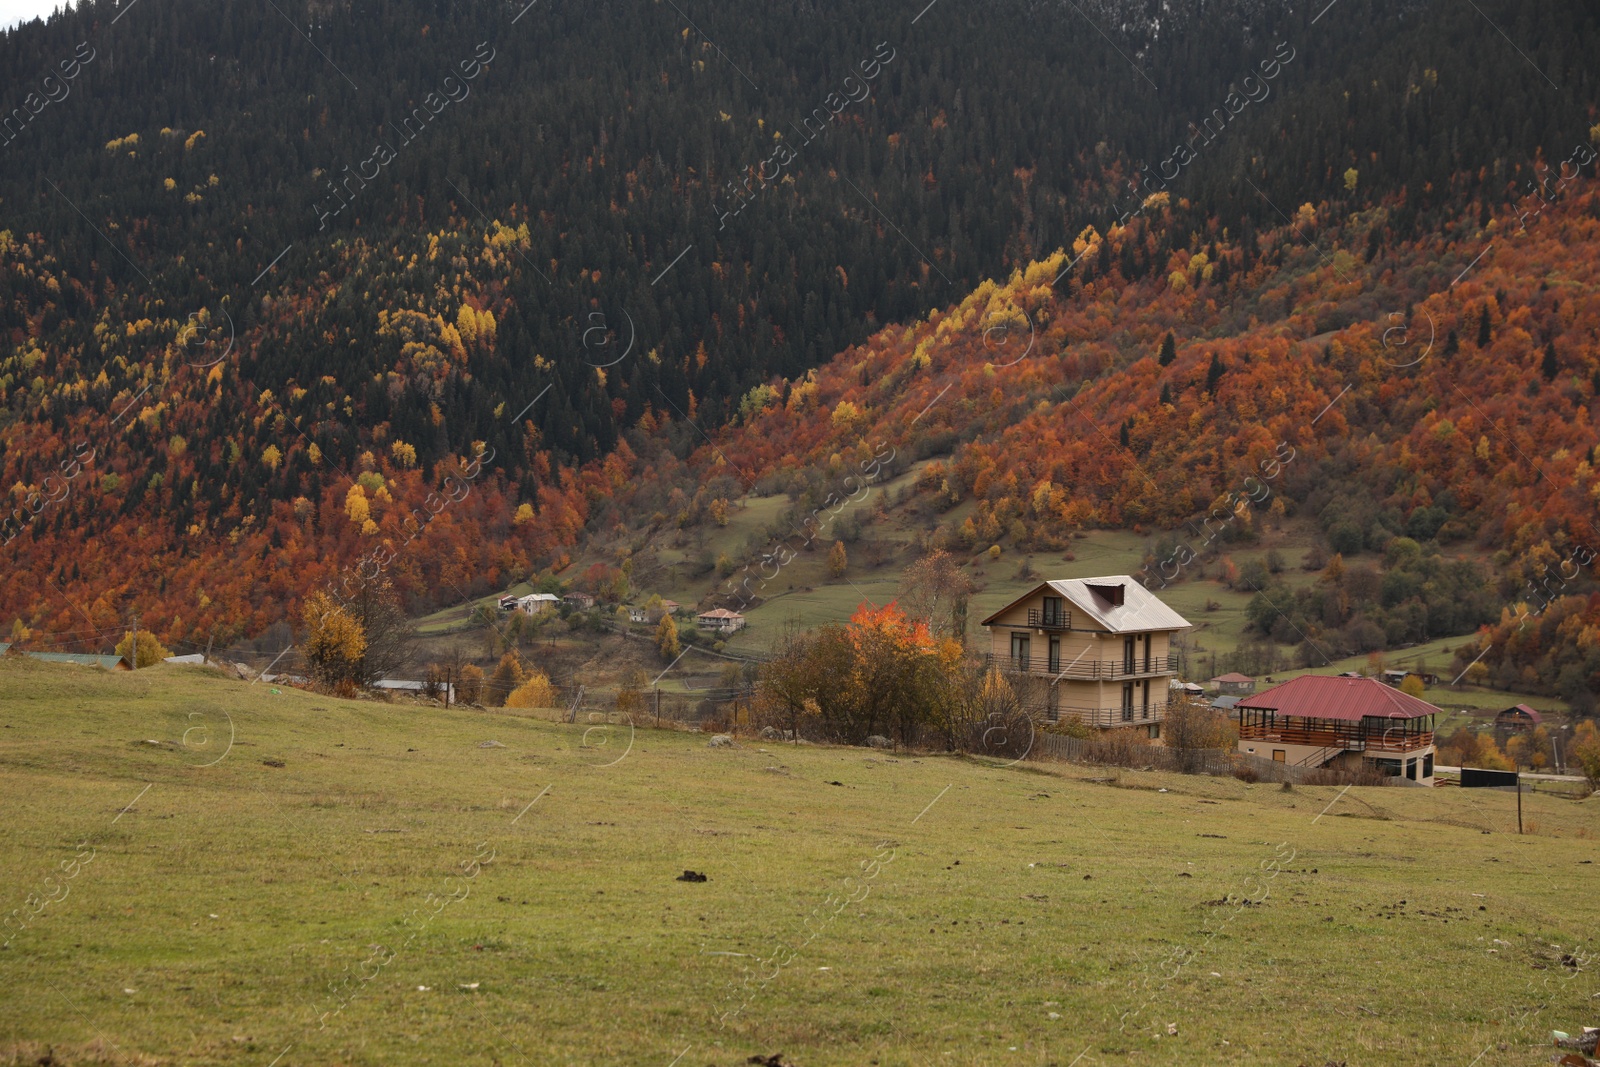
[203,871]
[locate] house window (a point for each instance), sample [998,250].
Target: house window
[1145,708]
[1155,731]
[1052,705]
[1055,613]
[1019,651]
[1055,654]
[1427,765]
[1280,755]
[1390,767]
[1127,702]
[1127,655]
[1411,769]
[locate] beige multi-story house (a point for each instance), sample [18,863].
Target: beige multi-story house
[1095,649]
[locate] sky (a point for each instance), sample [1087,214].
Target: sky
[15,11]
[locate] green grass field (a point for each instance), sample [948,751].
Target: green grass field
[354,882]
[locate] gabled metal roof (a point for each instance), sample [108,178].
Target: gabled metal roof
[1318,696]
[1139,611]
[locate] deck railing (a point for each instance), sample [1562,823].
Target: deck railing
[1351,740]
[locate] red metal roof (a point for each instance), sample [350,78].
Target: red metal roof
[1317,696]
[1524,709]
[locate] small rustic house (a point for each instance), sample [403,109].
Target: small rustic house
[1234,684]
[720,620]
[1518,717]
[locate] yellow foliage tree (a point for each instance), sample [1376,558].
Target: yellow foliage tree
[335,642]
[536,692]
[355,505]
[667,638]
[838,561]
[469,687]
[271,457]
[508,676]
[1585,750]
[150,650]
[524,515]
[403,454]
[1412,686]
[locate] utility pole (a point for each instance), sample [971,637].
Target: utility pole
[1519,803]
[133,657]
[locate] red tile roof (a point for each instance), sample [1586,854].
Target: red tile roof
[1317,696]
[1233,676]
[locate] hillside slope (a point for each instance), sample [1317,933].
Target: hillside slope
[367,883]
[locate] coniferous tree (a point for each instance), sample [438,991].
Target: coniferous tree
[1169,350]
[1551,365]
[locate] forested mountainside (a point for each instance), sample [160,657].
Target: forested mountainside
[1426,400]
[370,248]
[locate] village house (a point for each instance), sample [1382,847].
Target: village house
[537,603]
[1095,649]
[1234,684]
[1340,723]
[637,614]
[720,620]
[1395,677]
[1516,719]
[579,601]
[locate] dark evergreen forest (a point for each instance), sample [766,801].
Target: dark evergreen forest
[617,131]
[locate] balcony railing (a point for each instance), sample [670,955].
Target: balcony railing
[1139,715]
[1090,669]
[1049,620]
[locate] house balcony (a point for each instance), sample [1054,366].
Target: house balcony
[1085,669]
[1049,620]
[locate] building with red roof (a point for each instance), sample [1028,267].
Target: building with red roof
[1340,724]
[1514,720]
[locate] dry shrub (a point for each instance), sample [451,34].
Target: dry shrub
[630,702]
[1121,747]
